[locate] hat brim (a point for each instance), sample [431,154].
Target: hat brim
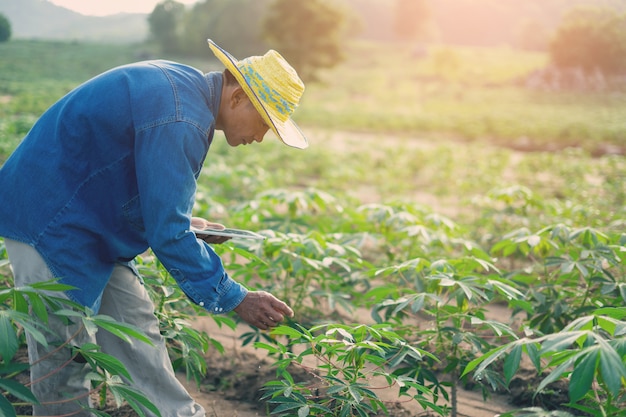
[288,132]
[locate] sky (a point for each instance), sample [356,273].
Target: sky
[107,7]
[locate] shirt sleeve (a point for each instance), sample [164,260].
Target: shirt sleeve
[168,159]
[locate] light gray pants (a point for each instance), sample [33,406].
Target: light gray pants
[57,383]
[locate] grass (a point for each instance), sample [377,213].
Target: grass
[466,93]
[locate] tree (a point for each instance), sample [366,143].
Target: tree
[232,24]
[591,38]
[164,24]
[308,33]
[5,28]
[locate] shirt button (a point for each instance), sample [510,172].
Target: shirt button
[216,309]
[221,309]
[201,303]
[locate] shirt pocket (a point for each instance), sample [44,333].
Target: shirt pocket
[132,213]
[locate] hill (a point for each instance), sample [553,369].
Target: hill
[40,19]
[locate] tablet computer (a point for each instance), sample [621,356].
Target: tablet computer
[228,232]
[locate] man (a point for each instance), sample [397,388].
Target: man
[109,171]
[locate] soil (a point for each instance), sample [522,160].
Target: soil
[234,382]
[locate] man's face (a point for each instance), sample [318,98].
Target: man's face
[244,124]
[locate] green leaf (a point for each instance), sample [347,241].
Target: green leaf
[333,389]
[287,331]
[532,350]
[614,312]
[582,377]
[6,408]
[122,330]
[355,393]
[507,290]
[285,406]
[557,372]
[622,292]
[18,390]
[612,367]
[135,399]
[487,359]
[268,347]
[32,327]
[559,341]
[51,285]
[511,363]
[19,302]
[8,337]
[107,362]
[39,308]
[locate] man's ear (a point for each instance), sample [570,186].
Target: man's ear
[237,97]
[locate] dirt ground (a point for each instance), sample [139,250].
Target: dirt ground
[247,369]
[234,381]
[232,387]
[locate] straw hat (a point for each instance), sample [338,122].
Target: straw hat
[273,87]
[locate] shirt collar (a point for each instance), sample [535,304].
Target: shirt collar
[214,82]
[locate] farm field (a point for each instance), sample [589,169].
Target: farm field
[437,190]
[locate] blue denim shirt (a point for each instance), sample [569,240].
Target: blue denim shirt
[110,170]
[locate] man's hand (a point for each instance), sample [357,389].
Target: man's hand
[261,309]
[202,224]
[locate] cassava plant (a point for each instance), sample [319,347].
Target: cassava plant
[590,353]
[347,365]
[26,310]
[444,312]
[569,272]
[186,345]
